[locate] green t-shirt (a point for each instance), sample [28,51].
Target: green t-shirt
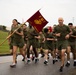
[49,35]
[41,38]
[63,30]
[71,39]
[16,36]
[25,34]
[31,33]
[74,33]
[11,38]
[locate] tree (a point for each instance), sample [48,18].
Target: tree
[4,27]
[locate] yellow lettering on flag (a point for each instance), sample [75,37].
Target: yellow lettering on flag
[39,21]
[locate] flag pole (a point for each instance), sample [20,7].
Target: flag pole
[15,31]
[12,34]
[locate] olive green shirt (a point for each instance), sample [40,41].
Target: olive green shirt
[25,34]
[16,37]
[63,30]
[31,33]
[41,38]
[74,34]
[48,35]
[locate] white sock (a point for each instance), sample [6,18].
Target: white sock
[13,64]
[28,58]
[56,59]
[75,60]
[46,60]
[68,61]
[36,58]
[53,58]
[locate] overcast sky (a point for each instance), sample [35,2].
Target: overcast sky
[50,9]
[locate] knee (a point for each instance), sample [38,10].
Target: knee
[46,51]
[14,52]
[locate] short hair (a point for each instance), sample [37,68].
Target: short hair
[54,25]
[45,30]
[70,23]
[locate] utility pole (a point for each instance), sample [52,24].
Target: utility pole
[73,20]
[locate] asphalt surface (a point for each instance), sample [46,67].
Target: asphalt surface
[22,68]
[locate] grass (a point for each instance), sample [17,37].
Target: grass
[4,48]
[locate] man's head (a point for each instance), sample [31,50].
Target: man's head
[70,25]
[60,21]
[46,30]
[30,26]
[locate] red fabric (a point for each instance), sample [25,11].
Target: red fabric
[37,21]
[50,29]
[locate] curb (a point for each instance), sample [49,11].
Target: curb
[7,54]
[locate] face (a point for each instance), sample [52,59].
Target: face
[40,32]
[70,26]
[60,21]
[24,27]
[14,22]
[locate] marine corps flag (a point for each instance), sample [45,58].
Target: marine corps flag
[37,21]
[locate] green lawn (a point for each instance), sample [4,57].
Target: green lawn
[5,47]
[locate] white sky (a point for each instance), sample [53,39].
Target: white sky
[50,9]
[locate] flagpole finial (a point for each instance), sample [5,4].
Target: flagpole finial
[40,8]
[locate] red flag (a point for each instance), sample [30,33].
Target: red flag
[37,21]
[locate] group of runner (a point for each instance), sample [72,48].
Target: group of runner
[60,40]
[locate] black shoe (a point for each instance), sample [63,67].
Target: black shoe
[42,56]
[36,60]
[12,66]
[67,64]
[61,68]
[74,63]
[45,62]
[48,56]
[54,61]
[58,57]
[23,59]
[33,58]
[16,61]
[28,61]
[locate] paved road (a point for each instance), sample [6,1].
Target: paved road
[23,68]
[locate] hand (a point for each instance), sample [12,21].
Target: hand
[35,36]
[58,34]
[15,30]
[67,36]
[43,41]
[47,39]
[22,36]
[73,36]
[26,38]
[55,39]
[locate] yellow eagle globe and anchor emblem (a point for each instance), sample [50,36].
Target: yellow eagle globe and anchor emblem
[39,21]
